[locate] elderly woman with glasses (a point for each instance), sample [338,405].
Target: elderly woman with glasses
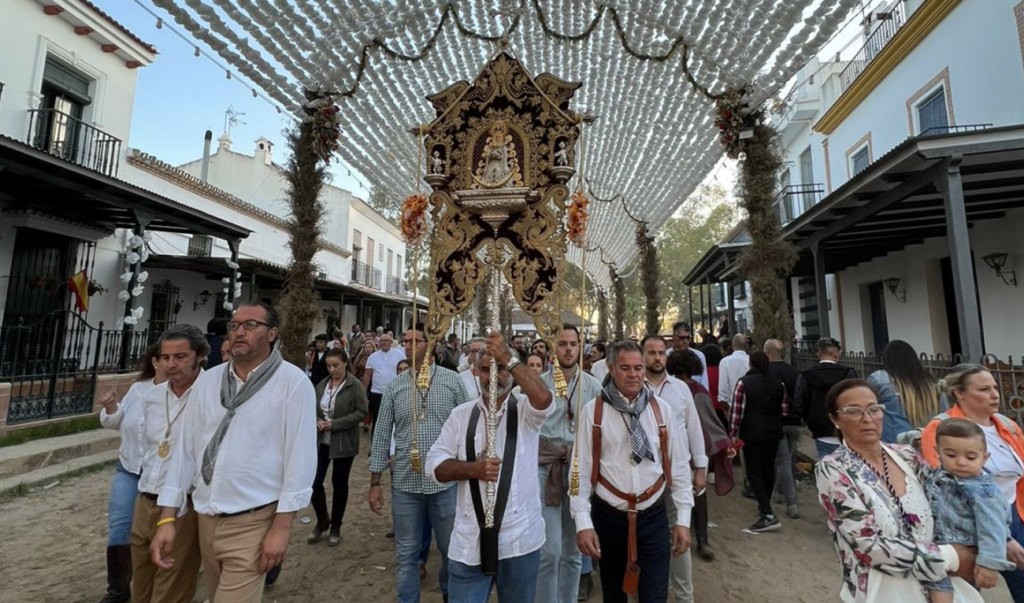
[877,511]
[975,394]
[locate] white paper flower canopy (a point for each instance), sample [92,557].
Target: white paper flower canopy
[654,140]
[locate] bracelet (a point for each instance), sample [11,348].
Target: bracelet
[165,520]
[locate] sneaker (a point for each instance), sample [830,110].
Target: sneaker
[766,523]
[792,512]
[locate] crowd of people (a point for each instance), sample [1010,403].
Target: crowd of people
[223,442]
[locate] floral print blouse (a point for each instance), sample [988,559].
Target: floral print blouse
[866,524]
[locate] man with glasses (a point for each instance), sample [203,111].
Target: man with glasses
[247,456]
[811,389]
[417,416]
[470,375]
[681,339]
[381,368]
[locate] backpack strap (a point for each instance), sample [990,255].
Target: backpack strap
[595,433]
[663,439]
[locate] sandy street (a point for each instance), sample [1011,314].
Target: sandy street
[52,551]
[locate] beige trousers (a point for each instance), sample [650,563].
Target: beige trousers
[231,554]
[150,584]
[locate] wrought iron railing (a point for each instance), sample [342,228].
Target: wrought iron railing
[65,136]
[940,130]
[1009,374]
[889,23]
[802,196]
[395,285]
[366,275]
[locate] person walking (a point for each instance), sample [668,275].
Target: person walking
[416,417]
[355,341]
[508,559]
[682,340]
[631,456]
[909,393]
[679,399]
[126,417]
[341,406]
[183,350]
[785,484]
[559,576]
[811,390]
[733,368]
[758,407]
[598,361]
[246,495]
[317,362]
[381,368]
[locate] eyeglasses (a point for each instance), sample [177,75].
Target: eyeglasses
[857,413]
[405,342]
[249,325]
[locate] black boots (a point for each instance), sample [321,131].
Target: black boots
[119,574]
[700,527]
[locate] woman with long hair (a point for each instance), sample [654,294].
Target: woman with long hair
[359,370]
[126,417]
[909,393]
[759,403]
[341,406]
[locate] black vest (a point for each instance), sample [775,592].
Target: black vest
[762,414]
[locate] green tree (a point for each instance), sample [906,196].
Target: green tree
[389,208]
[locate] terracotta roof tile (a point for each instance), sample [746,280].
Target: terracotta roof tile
[116,24]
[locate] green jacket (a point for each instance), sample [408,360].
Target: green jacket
[350,407]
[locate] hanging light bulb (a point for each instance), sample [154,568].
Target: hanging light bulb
[253,92]
[159,23]
[197,51]
[227,73]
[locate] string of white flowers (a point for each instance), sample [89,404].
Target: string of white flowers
[133,278]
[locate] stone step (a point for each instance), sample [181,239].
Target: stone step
[40,454]
[52,473]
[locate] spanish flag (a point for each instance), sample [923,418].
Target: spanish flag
[79,285]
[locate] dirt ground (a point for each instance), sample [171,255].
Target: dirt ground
[52,550]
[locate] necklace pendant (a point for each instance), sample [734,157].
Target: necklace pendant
[414,459]
[164,449]
[572,426]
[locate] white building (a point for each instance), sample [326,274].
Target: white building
[904,187]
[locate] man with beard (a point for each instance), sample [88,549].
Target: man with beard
[471,374]
[681,340]
[512,565]
[558,580]
[519,347]
[677,395]
[632,455]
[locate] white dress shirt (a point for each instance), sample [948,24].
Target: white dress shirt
[129,419]
[385,367]
[160,402]
[732,368]
[599,369]
[678,396]
[703,377]
[472,383]
[267,455]
[522,528]
[617,467]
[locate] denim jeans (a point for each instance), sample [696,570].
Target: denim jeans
[516,581]
[1015,578]
[558,578]
[124,489]
[586,565]
[785,485]
[408,512]
[425,547]
[824,448]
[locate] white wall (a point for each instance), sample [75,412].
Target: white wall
[27,35]
[385,235]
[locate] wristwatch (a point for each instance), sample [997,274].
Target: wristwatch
[513,363]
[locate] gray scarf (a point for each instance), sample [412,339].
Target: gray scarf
[637,435]
[231,400]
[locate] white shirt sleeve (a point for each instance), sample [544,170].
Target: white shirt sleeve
[300,444]
[682,483]
[694,432]
[446,447]
[531,417]
[703,377]
[725,384]
[579,505]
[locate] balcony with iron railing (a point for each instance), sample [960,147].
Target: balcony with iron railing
[395,286]
[366,275]
[70,138]
[793,200]
[889,23]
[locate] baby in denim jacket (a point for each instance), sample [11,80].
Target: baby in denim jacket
[969,508]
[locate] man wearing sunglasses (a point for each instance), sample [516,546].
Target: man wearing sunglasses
[681,340]
[247,455]
[811,389]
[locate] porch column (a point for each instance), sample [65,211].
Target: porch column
[142,220]
[359,316]
[700,294]
[731,303]
[233,279]
[341,310]
[253,294]
[711,306]
[820,292]
[689,303]
[967,312]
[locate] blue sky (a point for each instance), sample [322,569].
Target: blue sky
[180,96]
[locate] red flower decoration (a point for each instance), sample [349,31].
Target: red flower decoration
[414,218]
[576,224]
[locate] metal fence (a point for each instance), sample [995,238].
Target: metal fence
[53,363]
[60,134]
[889,23]
[365,274]
[1009,373]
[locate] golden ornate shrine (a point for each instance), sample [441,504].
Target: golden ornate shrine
[499,155]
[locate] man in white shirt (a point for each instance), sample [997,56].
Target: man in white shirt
[732,368]
[183,348]
[559,579]
[628,465]
[508,554]
[381,368]
[247,453]
[470,375]
[598,362]
[681,340]
[677,395]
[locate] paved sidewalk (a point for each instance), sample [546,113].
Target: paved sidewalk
[41,454]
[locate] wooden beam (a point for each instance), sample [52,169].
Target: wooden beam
[83,30]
